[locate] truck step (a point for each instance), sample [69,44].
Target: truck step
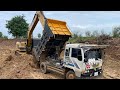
[61,71]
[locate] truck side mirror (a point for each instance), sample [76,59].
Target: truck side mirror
[85,60]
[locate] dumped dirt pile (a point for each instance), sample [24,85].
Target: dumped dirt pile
[12,66]
[108,41]
[9,44]
[111,64]
[114,52]
[19,66]
[114,41]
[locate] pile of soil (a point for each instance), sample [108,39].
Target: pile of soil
[111,65]
[19,66]
[22,67]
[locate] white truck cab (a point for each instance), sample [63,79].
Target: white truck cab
[79,60]
[83,59]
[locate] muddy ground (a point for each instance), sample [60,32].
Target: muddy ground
[22,67]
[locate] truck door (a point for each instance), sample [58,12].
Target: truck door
[67,59]
[77,58]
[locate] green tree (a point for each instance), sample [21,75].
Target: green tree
[39,35]
[116,32]
[102,32]
[95,33]
[88,34]
[5,37]
[1,35]
[17,26]
[75,35]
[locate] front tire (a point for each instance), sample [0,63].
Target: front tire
[43,67]
[70,75]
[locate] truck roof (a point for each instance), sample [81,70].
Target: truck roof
[80,45]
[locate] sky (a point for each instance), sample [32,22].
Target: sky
[77,21]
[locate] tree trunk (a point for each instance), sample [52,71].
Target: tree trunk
[16,36]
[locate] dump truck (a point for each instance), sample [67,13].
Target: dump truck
[77,60]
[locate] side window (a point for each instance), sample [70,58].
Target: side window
[67,52]
[76,53]
[79,55]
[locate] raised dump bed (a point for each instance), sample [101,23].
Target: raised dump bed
[58,27]
[55,35]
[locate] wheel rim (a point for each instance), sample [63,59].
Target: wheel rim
[71,76]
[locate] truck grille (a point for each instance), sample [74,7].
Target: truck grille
[91,72]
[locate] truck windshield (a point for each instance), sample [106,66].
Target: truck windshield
[93,53]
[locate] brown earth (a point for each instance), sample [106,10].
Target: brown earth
[112,62]
[21,66]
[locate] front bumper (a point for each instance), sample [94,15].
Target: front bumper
[91,72]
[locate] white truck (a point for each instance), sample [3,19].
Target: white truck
[79,60]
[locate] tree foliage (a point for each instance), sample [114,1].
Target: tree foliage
[1,35]
[5,37]
[17,26]
[95,33]
[88,34]
[116,32]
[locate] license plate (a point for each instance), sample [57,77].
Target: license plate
[95,73]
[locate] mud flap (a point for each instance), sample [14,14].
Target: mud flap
[77,73]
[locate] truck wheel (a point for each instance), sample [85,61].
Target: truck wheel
[43,67]
[70,75]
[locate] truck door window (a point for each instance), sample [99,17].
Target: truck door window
[76,53]
[79,55]
[67,52]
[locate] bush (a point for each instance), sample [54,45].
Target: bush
[116,32]
[102,39]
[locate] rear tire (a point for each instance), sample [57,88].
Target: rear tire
[43,68]
[70,75]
